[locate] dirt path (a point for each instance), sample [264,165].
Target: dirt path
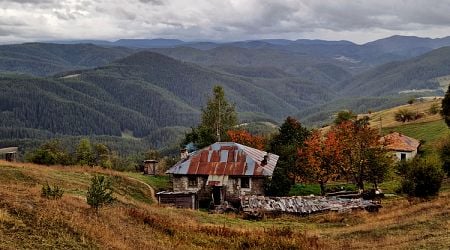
[152,191]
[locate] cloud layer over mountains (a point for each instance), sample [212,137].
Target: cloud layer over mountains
[358,21]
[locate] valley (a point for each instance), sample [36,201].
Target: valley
[155,92]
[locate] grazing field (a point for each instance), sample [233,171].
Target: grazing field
[134,221]
[430,133]
[386,118]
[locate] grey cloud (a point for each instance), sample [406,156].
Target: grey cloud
[29,1]
[124,14]
[155,2]
[64,15]
[226,19]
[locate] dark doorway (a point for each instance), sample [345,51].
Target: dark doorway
[402,156]
[217,195]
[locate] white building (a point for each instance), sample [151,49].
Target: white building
[402,146]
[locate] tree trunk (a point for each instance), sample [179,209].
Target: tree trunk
[322,188]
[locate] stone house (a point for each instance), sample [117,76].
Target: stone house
[402,146]
[223,171]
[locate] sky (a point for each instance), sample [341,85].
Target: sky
[359,21]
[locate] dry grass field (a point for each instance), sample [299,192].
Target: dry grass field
[135,222]
[386,118]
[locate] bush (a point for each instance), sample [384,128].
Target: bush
[50,153]
[404,115]
[50,192]
[422,177]
[100,192]
[434,109]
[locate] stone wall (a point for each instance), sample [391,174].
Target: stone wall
[181,183]
[233,189]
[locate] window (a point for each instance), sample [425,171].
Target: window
[192,181]
[245,182]
[402,156]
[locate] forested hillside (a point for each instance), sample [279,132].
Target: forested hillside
[42,59]
[83,89]
[146,95]
[391,78]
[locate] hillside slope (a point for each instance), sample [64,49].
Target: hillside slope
[29,221]
[43,59]
[391,78]
[142,94]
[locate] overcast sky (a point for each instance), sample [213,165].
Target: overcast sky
[355,20]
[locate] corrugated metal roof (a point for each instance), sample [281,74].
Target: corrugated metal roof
[9,150]
[226,158]
[398,142]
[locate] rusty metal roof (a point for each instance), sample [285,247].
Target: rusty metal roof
[226,158]
[398,142]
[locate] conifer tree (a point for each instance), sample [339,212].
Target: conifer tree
[445,112]
[217,118]
[84,153]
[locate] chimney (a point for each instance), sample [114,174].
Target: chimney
[265,160]
[184,154]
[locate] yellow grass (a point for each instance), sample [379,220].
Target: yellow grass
[386,118]
[29,221]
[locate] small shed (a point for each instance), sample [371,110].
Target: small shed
[178,199]
[150,167]
[9,154]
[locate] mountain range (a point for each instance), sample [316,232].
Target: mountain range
[154,89]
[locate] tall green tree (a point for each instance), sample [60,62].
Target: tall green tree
[84,153]
[445,112]
[444,153]
[285,143]
[102,155]
[217,118]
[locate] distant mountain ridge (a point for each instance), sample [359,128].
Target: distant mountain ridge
[43,59]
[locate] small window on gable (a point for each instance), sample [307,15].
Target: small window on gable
[192,181]
[402,156]
[245,182]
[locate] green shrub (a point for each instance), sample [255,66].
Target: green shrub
[434,109]
[50,153]
[422,177]
[404,115]
[100,192]
[50,192]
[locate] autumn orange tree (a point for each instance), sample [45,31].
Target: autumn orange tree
[321,158]
[350,149]
[364,156]
[245,138]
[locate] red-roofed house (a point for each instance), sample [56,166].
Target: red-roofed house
[404,147]
[223,171]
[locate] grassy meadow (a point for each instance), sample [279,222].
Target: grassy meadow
[135,221]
